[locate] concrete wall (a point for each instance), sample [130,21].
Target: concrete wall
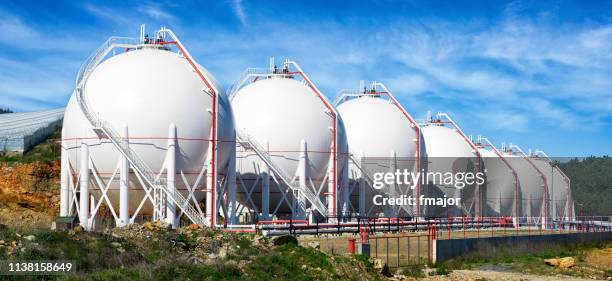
[495,246]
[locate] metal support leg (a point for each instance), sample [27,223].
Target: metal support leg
[64,178]
[211,205]
[171,176]
[265,189]
[362,188]
[84,187]
[124,176]
[303,174]
[231,169]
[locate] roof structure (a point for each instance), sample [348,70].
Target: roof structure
[21,131]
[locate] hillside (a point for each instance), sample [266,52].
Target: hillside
[591,184]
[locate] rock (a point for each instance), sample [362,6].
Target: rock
[304,267]
[193,227]
[378,264]
[182,245]
[1,242]
[567,262]
[121,250]
[116,244]
[552,262]
[156,226]
[29,237]
[212,256]
[285,239]
[315,244]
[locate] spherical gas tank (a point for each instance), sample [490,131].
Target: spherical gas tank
[147,90]
[448,152]
[376,128]
[377,131]
[280,113]
[501,186]
[531,183]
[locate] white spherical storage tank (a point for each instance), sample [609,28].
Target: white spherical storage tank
[381,139]
[558,187]
[285,118]
[532,185]
[502,185]
[147,95]
[449,153]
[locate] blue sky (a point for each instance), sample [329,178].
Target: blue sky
[536,73]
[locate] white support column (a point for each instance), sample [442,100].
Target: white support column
[124,175]
[64,178]
[171,176]
[84,187]
[265,187]
[231,170]
[303,174]
[362,187]
[211,205]
[346,196]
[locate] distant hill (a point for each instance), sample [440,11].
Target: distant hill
[591,184]
[5,110]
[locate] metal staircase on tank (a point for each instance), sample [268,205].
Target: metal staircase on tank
[105,130]
[248,142]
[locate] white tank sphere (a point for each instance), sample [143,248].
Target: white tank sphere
[283,112]
[558,187]
[376,129]
[448,152]
[531,183]
[279,113]
[148,89]
[500,186]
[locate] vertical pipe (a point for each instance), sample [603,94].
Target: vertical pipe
[171,176]
[231,170]
[265,187]
[64,177]
[84,187]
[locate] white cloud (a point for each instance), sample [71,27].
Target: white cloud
[238,9]
[156,13]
